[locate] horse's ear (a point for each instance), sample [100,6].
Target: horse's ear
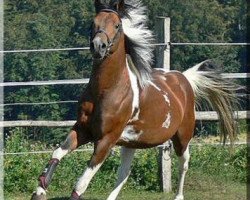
[119,5]
[97,5]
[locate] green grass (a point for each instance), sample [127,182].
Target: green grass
[197,186]
[214,174]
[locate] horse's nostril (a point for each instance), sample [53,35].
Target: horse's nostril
[104,46]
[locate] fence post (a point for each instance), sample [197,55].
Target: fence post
[162,30]
[163,61]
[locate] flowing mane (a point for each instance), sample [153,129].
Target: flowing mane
[139,38]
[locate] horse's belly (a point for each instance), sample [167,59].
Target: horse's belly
[145,138]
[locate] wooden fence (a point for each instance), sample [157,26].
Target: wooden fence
[201,115]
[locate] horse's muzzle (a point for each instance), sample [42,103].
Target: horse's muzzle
[98,48]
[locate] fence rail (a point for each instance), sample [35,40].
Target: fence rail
[157,44]
[115,149]
[241,95]
[86,80]
[40,83]
[201,115]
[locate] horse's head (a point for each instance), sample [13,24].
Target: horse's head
[107,28]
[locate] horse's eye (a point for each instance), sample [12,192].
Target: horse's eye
[117,26]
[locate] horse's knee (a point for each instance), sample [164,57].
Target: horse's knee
[72,141]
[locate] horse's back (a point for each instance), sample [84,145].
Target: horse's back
[175,84]
[172,78]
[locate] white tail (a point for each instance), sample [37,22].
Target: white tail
[217,92]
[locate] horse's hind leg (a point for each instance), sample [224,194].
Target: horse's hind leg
[127,156]
[73,140]
[181,144]
[183,162]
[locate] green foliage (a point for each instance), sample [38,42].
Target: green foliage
[204,21]
[22,171]
[217,161]
[47,24]
[145,170]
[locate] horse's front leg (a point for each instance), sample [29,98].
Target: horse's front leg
[74,140]
[102,150]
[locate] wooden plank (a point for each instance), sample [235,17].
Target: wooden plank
[209,44]
[201,115]
[44,50]
[212,115]
[36,123]
[235,75]
[164,53]
[51,82]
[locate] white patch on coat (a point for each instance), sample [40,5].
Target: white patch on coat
[136,117]
[84,180]
[161,69]
[136,93]
[167,122]
[163,78]
[165,95]
[167,99]
[129,134]
[154,85]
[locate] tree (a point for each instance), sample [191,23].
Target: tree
[202,21]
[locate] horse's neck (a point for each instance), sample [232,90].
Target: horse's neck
[111,72]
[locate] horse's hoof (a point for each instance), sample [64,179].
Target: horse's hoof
[38,197]
[74,196]
[179,197]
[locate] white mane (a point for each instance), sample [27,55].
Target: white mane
[139,38]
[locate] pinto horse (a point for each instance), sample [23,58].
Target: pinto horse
[130,104]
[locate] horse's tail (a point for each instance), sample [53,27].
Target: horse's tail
[219,93]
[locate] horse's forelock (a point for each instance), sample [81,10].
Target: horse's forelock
[116,5]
